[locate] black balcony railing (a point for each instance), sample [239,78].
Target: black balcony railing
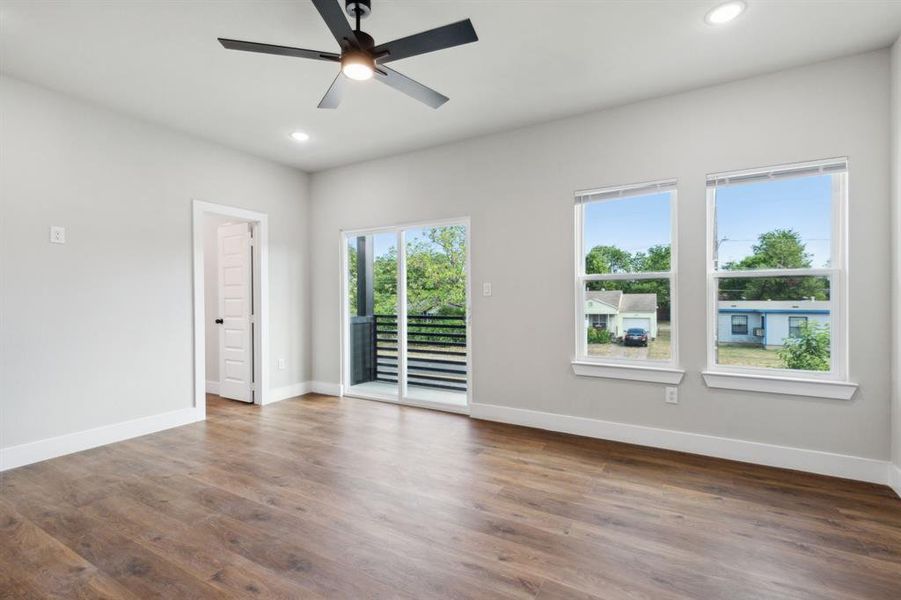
[436,351]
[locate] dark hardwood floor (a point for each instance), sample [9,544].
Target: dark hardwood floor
[322,497]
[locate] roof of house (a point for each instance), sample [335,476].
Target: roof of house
[611,297]
[637,303]
[632,303]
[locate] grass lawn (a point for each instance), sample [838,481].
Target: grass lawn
[748,356]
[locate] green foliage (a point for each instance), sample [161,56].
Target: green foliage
[809,351]
[777,249]
[436,274]
[610,259]
[599,336]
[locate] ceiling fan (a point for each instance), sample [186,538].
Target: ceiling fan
[361,59]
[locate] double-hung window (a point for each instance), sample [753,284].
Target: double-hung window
[625,293]
[777,279]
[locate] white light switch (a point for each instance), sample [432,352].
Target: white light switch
[57,234]
[486,288]
[672,395]
[281,363]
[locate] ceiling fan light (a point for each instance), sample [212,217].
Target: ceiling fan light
[358,66]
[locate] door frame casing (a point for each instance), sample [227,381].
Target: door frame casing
[344,312]
[259,223]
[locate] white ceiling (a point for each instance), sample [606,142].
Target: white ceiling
[535,60]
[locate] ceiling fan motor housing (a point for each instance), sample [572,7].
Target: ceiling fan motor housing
[355,7]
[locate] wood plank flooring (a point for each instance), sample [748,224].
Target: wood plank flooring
[320,497]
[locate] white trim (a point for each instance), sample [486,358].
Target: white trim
[289,391]
[722,375]
[440,406]
[827,166]
[894,478]
[631,372]
[212,387]
[626,191]
[800,459]
[580,354]
[772,384]
[327,388]
[260,223]
[32,452]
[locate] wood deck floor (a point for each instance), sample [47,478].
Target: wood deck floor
[322,497]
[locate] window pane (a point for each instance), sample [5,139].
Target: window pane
[777,224]
[787,322]
[372,300]
[627,235]
[628,319]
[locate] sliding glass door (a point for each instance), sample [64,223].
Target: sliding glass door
[407,314]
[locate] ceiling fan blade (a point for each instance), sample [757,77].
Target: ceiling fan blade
[331,13]
[335,92]
[414,89]
[455,34]
[279,50]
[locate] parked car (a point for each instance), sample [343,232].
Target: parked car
[635,336]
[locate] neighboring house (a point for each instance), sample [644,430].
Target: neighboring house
[767,322]
[616,312]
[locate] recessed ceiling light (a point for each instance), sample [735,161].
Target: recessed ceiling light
[725,12]
[300,136]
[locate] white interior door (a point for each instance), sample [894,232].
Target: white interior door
[235,311]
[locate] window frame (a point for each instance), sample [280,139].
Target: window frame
[837,272]
[745,325]
[657,371]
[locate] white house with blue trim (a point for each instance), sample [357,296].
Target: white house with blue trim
[767,322]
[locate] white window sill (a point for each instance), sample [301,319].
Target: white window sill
[817,388]
[630,372]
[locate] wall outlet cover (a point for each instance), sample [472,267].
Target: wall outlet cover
[671,395]
[486,288]
[57,234]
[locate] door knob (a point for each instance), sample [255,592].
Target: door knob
[219,321]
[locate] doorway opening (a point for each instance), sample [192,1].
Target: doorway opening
[406,314]
[231,329]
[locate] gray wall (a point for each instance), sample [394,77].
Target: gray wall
[518,189]
[99,330]
[896,252]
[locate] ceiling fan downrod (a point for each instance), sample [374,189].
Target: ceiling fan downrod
[358,9]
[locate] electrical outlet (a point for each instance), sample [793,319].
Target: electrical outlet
[671,395]
[486,288]
[57,234]
[281,363]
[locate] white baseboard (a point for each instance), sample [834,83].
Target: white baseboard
[813,461]
[894,478]
[25,454]
[328,389]
[288,391]
[212,387]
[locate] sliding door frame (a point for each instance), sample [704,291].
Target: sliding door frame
[400,231]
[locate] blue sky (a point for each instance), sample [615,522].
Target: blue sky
[744,212]
[633,224]
[803,204]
